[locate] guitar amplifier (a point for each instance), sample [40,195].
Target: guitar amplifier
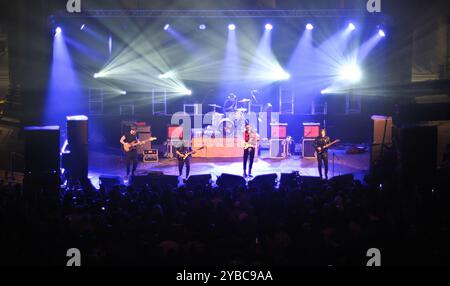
[308,148]
[147,145]
[278,148]
[150,156]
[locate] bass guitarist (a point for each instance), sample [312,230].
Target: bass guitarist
[321,144]
[184,152]
[131,155]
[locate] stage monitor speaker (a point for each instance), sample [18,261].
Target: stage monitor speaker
[289,180]
[42,150]
[109,182]
[310,183]
[230,181]
[278,148]
[199,181]
[149,179]
[344,181]
[308,148]
[264,181]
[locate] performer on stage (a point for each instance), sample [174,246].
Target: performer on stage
[184,152]
[230,104]
[130,141]
[321,145]
[251,139]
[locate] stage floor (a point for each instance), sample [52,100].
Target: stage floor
[112,163]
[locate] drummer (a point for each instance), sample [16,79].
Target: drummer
[230,103]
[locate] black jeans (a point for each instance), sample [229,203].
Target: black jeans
[323,159]
[249,153]
[181,164]
[132,158]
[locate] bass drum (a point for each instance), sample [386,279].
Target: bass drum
[226,127]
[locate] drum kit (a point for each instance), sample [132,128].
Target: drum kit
[232,121]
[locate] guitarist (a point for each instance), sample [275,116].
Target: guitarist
[251,139]
[132,155]
[184,152]
[322,152]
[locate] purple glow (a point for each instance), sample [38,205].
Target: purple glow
[381,33]
[309,26]
[202,27]
[58,31]
[269,27]
[166,27]
[82,27]
[351,27]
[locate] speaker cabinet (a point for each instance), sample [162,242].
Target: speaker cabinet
[42,150]
[308,148]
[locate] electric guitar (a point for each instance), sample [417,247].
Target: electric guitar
[248,145]
[319,150]
[187,154]
[127,147]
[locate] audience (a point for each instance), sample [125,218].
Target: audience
[327,225]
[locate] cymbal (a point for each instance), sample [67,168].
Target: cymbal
[244,100]
[215,105]
[242,109]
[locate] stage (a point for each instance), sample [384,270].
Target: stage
[112,163]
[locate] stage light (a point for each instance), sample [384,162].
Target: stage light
[82,27]
[281,75]
[170,74]
[96,75]
[58,31]
[269,27]
[325,91]
[185,91]
[202,27]
[123,92]
[232,27]
[309,26]
[351,73]
[381,33]
[351,27]
[166,27]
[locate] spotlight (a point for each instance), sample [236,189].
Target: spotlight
[269,27]
[58,30]
[351,27]
[325,91]
[202,27]
[282,75]
[185,91]
[96,75]
[381,33]
[123,92]
[309,26]
[82,27]
[351,73]
[232,27]
[169,74]
[166,27]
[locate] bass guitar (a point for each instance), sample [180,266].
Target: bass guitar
[127,147]
[320,150]
[184,156]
